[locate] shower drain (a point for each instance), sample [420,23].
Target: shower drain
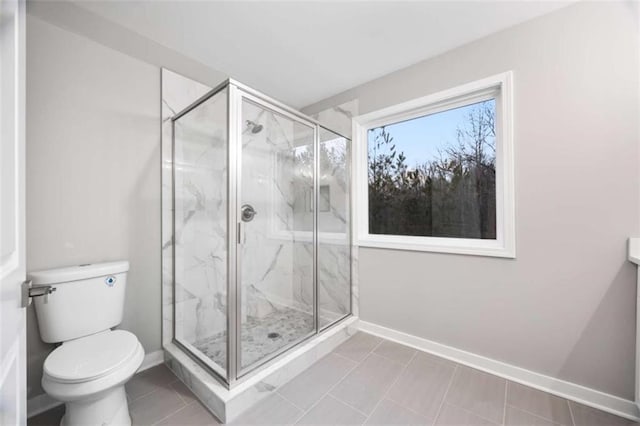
[273,335]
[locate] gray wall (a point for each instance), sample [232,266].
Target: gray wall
[93,171]
[93,158]
[566,306]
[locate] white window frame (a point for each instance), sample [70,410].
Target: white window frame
[498,87]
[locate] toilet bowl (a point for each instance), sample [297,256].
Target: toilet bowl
[89,369]
[88,374]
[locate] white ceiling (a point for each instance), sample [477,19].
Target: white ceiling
[303,52]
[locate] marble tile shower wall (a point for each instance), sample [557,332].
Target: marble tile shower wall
[267,254]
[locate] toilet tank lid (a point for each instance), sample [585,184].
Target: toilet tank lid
[78,272]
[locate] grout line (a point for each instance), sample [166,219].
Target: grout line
[285,400]
[155,387]
[171,414]
[504,410]
[180,396]
[277,391]
[573,419]
[492,422]
[377,344]
[406,408]
[340,380]
[342,356]
[196,399]
[395,360]
[536,415]
[386,392]
[144,395]
[466,409]
[348,405]
[167,386]
[366,355]
[446,392]
[391,359]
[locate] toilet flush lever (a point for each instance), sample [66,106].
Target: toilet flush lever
[29,291]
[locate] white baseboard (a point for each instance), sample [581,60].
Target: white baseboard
[587,396]
[43,402]
[40,404]
[151,360]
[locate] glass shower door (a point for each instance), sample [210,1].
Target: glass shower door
[275,241]
[200,202]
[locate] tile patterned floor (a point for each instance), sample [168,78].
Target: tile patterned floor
[367,380]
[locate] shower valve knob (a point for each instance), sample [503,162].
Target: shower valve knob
[248,212]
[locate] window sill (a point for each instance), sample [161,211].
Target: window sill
[471,247]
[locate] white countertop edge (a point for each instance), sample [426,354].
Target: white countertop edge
[634,250]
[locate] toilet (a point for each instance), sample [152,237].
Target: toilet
[89,369]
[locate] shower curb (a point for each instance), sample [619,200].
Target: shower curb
[228,404]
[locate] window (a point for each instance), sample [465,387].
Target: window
[436,173]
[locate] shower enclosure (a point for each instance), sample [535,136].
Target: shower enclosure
[261,225]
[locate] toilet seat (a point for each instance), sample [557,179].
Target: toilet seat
[91,357]
[94,376]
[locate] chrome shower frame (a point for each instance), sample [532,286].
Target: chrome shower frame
[237,93]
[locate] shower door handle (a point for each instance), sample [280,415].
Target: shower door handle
[240,234]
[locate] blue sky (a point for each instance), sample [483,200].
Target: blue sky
[421,138]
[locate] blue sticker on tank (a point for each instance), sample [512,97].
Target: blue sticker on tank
[110,280]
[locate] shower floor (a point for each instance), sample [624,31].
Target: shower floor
[260,336]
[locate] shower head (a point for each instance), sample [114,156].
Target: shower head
[254,127]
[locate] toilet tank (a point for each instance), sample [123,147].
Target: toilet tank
[87,299]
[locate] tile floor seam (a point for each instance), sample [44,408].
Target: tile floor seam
[536,415]
[140,396]
[473,412]
[246,410]
[349,405]
[155,389]
[391,359]
[332,397]
[288,400]
[444,397]
[437,358]
[171,414]
[180,396]
[378,344]
[366,355]
[341,356]
[327,393]
[573,419]
[405,408]
[386,392]
[360,363]
[493,422]
[504,408]
[371,351]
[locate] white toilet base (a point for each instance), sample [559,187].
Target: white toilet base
[110,409]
